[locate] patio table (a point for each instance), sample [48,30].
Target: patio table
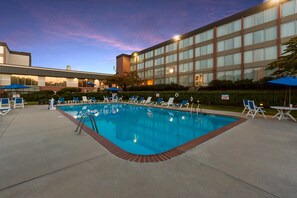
[283,112]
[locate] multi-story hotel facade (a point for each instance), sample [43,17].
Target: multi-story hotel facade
[237,47]
[16,68]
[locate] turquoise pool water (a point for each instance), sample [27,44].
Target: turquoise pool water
[147,130]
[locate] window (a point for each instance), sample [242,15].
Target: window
[254,74]
[270,14]
[288,29]
[171,47]
[61,82]
[229,28]
[187,67]
[205,36]
[140,66]
[229,75]
[270,33]
[171,70]
[268,53]
[149,74]
[288,8]
[159,72]
[260,36]
[232,59]
[133,68]
[186,55]
[159,61]
[148,64]
[170,80]
[149,54]
[186,42]
[26,80]
[229,44]
[159,81]
[207,78]
[141,57]
[204,64]
[159,51]
[171,58]
[206,49]
[186,80]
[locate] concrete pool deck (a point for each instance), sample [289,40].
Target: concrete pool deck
[40,156]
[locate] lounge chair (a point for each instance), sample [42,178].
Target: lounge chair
[135,99]
[93,99]
[4,110]
[120,99]
[61,100]
[148,100]
[253,109]
[159,101]
[105,99]
[18,103]
[75,100]
[169,103]
[85,99]
[184,103]
[4,102]
[245,105]
[114,98]
[131,99]
[141,100]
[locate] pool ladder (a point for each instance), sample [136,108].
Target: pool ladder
[82,122]
[197,109]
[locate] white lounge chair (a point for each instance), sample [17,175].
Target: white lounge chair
[18,103]
[4,102]
[169,103]
[105,99]
[253,109]
[148,100]
[4,110]
[85,99]
[245,105]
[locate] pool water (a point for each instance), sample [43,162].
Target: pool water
[147,130]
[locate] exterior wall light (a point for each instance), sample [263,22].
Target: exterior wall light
[176,38]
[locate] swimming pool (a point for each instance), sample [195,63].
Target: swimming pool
[144,130]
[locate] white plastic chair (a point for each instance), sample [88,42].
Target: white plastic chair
[254,110]
[18,103]
[169,103]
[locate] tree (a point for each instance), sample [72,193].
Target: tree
[286,65]
[127,79]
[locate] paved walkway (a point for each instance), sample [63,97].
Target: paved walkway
[40,156]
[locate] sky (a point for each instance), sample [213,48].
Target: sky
[89,34]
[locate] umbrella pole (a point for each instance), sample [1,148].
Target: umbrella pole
[290,95]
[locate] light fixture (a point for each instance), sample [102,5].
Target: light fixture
[171,119]
[171,70]
[176,38]
[183,117]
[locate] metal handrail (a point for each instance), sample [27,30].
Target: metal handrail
[82,120]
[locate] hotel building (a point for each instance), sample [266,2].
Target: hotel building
[15,68]
[237,47]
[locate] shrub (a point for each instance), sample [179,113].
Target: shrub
[38,95]
[68,90]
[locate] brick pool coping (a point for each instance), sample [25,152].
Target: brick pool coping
[120,153]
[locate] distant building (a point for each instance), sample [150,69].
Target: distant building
[15,68]
[236,47]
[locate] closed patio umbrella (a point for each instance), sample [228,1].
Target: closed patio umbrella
[288,80]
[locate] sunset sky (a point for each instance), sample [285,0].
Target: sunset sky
[89,34]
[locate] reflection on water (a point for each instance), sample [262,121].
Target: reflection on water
[146,130]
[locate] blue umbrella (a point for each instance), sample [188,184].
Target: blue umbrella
[288,80]
[15,86]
